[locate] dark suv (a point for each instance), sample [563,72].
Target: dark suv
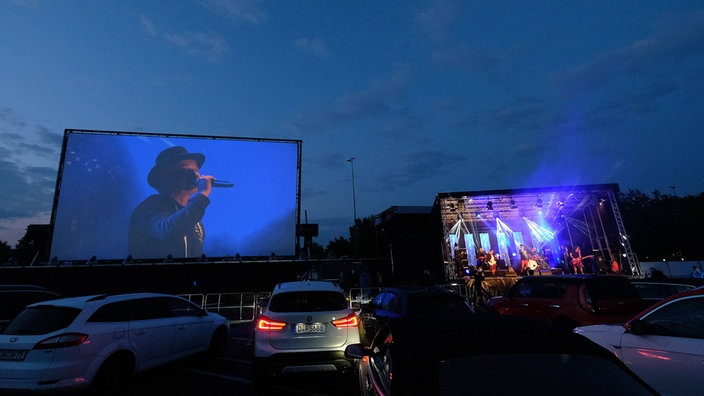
[571,300]
[416,302]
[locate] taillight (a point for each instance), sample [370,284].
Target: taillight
[62,341]
[349,321]
[265,323]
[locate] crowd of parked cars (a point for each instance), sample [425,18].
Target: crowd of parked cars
[593,334]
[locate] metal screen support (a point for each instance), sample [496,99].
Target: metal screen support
[624,239]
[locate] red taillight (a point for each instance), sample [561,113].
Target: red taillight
[265,323]
[349,321]
[62,341]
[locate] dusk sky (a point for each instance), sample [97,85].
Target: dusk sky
[427,96]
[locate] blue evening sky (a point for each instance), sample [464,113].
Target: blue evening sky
[427,96]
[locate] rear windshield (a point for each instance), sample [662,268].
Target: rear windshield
[13,302]
[41,319]
[308,301]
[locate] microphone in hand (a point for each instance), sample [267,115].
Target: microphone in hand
[217,183]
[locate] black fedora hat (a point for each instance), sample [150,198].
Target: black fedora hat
[170,156]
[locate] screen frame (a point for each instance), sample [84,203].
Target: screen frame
[157,135]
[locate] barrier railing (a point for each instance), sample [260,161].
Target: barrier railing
[244,307]
[236,307]
[358,296]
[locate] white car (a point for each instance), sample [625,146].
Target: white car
[664,345]
[100,341]
[305,327]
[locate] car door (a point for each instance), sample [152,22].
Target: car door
[192,327]
[527,299]
[668,352]
[151,332]
[380,361]
[377,312]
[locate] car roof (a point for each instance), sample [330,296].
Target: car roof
[666,300]
[466,335]
[82,301]
[640,282]
[419,345]
[573,278]
[307,285]
[22,288]
[410,289]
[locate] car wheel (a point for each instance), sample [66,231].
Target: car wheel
[113,375]
[218,342]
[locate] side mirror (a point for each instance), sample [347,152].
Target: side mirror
[356,351]
[636,327]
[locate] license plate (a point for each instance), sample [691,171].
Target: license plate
[305,328]
[11,354]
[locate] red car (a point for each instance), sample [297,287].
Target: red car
[571,300]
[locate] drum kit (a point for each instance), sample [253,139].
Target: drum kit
[540,263]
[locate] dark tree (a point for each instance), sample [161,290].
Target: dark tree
[663,227]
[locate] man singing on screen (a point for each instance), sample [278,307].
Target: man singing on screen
[169,223]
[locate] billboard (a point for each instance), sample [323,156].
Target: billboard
[149,196]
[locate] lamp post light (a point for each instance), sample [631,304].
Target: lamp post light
[354,207]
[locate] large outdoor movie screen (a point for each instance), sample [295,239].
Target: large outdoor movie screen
[151,196]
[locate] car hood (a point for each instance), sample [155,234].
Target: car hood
[606,335]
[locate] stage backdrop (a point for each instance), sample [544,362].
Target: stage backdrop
[103,177]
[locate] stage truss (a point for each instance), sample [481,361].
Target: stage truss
[547,218]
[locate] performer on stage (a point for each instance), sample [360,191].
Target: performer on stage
[481,257]
[567,261]
[491,262]
[525,257]
[577,260]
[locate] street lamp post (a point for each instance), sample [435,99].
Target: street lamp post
[354,207]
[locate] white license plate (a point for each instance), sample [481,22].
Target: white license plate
[11,354]
[305,328]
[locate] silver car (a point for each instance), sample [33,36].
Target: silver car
[305,327]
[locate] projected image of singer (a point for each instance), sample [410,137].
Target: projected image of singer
[169,223]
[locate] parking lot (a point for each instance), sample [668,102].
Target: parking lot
[231,374]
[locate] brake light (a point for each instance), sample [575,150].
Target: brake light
[62,341]
[265,323]
[349,321]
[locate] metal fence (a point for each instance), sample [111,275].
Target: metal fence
[236,307]
[244,307]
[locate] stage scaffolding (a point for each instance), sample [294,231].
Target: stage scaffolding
[548,218]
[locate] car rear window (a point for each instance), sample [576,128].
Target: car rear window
[13,302]
[41,319]
[308,301]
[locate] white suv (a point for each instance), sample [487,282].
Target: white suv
[305,327]
[101,340]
